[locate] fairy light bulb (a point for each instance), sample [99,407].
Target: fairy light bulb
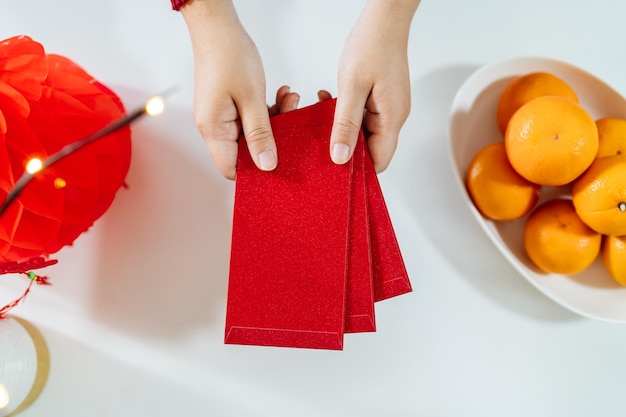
[60,183]
[34,165]
[155,106]
[4,397]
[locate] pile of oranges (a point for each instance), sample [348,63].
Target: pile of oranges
[550,140]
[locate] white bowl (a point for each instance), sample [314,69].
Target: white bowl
[591,293]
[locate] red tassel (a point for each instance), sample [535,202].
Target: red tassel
[24,269]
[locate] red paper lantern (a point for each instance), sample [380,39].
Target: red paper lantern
[47,102]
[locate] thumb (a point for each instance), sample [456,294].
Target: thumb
[257,130]
[346,126]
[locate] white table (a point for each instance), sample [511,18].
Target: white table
[134,319]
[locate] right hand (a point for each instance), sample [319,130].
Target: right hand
[229,86]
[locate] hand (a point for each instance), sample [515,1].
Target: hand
[373,82]
[229,87]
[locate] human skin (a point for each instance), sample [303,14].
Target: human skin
[230,88]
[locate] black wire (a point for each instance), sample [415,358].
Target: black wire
[68,150]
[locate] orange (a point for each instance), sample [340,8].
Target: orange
[613,254]
[526,88]
[496,189]
[557,240]
[611,136]
[551,140]
[600,195]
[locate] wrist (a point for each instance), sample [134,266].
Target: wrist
[401,11]
[206,8]
[208,16]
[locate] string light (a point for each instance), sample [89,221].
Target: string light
[155,106]
[34,165]
[59,183]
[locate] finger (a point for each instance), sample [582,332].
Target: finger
[221,139]
[280,95]
[323,95]
[255,121]
[224,156]
[346,126]
[382,140]
[289,102]
[220,128]
[285,101]
[382,148]
[273,110]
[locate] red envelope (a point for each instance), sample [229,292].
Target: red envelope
[313,245]
[287,282]
[390,275]
[360,315]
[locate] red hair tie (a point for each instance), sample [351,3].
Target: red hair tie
[177,4]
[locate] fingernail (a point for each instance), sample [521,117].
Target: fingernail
[296,102]
[340,153]
[267,160]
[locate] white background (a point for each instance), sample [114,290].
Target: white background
[134,319]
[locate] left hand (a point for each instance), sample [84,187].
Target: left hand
[373,82]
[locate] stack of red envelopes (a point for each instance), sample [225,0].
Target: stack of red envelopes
[313,246]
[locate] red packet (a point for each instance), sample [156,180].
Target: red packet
[287,282]
[359,303]
[390,275]
[360,315]
[313,245]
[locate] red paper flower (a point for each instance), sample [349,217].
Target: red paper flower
[47,102]
[23,69]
